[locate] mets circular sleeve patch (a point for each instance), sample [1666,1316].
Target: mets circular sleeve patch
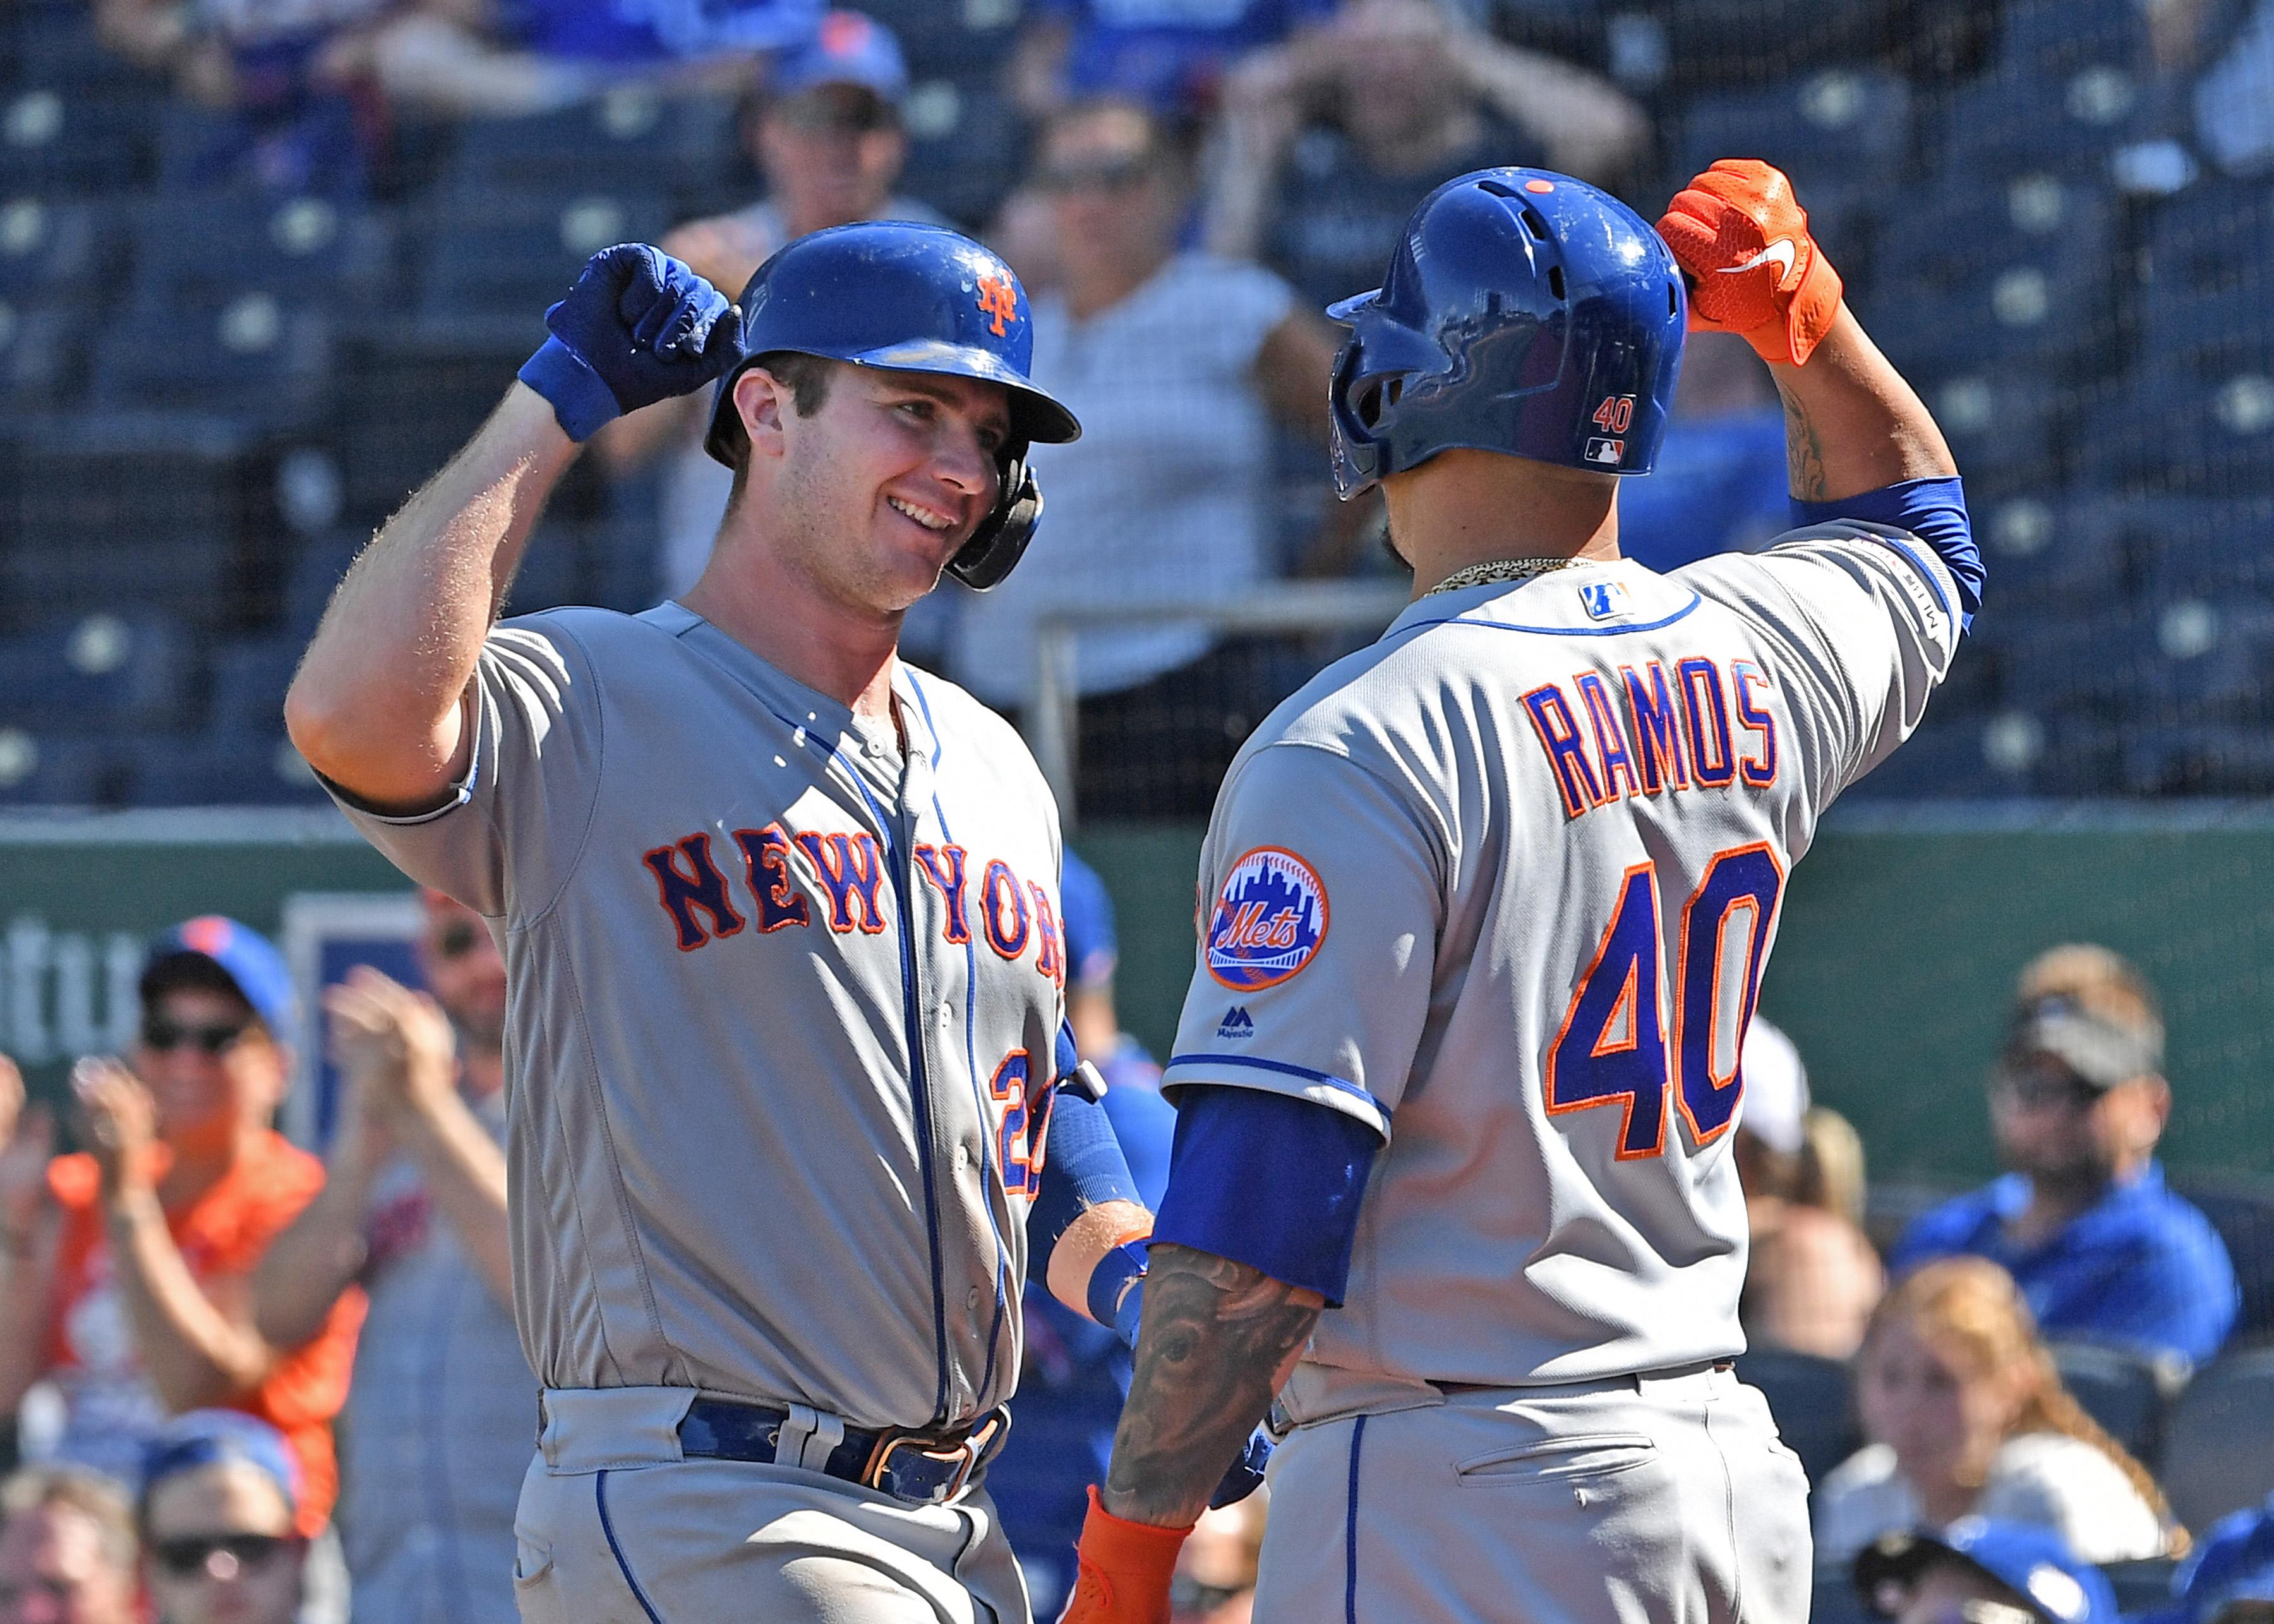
[1269,919]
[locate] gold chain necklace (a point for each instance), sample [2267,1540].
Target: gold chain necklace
[1493,570]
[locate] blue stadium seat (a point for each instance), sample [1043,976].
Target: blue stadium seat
[2041,37]
[508,254]
[43,355]
[551,569]
[1946,759]
[61,771]
[253,354]
[313,577]
[54,42]
[2184,432]
[56,142]
[1811,1399]
[2121,1389]
[2144,1586]
[967,146]
[410,393]
[1839,127]
[630,140]
[110,511]
[2054,665]
[2208,548]
[2066,122]
[2218,759]
[2243,1215]
[969,38]
[2218,1449]
[221,769]
[246,696]
[1975,275]
[217,245]
[2079,553]
[58,249]
[100,670]
[2205,299]
[2002,424]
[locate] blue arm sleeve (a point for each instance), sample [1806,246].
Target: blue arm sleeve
[1082,1168]
[1269,1181]
[1933,510]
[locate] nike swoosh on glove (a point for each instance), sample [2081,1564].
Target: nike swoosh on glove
[1742,240]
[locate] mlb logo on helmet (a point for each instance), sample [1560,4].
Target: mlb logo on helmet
[1605,451]
[1271,918]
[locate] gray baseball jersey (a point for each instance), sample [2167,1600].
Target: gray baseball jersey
[1503,886]
[779,987]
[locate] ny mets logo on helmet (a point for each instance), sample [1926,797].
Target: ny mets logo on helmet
[998,297]
[1271,918]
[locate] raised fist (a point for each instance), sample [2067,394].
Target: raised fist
[637,327]
[1753,269]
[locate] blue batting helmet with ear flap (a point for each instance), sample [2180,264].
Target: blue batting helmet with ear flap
[1524,313]
[911,298]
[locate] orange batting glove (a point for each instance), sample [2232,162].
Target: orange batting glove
[1753,268]
[1125,1570]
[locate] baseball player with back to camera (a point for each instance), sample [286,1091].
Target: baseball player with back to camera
[1487,907]
[779,921]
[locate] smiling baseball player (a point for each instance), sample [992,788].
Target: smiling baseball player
[1486,911]
[781,926]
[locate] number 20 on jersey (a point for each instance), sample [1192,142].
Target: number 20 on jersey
[1614,1050]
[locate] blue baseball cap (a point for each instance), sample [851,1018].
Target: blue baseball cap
[847,49]
[2035,1563]
[250,960]
[213,1437]
[1091,949]
[2234,1562]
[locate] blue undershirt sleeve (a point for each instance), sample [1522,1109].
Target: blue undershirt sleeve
[1083,1168]
[1933,510]
[1270,1181]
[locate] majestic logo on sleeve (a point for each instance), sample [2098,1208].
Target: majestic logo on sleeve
[1271,918]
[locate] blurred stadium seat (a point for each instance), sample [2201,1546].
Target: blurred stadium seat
[507,252]
[2120,1388]
[96,671]
[1811,1401]
[61,771]
[250,355]
[222,770]
[226,244]
[2072,554]
[631,141]
[2181,431]
[2243,1215]
[2209,268]
[1842,127]
[967,146]
[2218,1449]
[56,141]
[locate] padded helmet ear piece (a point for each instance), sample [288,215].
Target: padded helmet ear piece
[1000,541]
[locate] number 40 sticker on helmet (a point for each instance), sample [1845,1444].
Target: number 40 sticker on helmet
[1271,918]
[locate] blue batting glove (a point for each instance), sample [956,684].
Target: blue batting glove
[1247,1474]
[637,327]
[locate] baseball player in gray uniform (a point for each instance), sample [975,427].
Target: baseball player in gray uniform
[780,921]
[1485,910]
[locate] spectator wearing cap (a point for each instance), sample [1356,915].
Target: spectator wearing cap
[1329,140]
[1811,1279]
[128,1275]
[1965,1415]
[219,1516]
[824,130]
[67,1549]
[2083,1220]
[1981,1571]
[2229,1577]
[1076,1373]
[435,1437]
[1181,364]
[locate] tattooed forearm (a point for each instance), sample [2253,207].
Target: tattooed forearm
[1803,450]
[1218,1338]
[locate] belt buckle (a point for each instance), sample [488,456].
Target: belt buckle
[963,1457]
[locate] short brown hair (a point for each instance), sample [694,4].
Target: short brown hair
[807,378]
[2099,981]
[74,1488]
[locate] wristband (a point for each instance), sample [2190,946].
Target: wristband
[1117,1290]
[582,402]
[1123,1568]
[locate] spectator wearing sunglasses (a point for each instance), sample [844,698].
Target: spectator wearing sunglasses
[67,1549]
[823,128]
[128,1268]
[219,1516]
[2082,1220]
[437,1427]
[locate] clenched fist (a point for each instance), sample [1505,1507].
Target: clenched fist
[1742,239]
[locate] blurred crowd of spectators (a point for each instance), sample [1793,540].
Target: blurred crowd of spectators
[193,1309]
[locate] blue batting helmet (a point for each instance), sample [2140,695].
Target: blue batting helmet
[912,298]
[1524,313]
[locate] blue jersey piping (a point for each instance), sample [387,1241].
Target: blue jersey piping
[607,1527]
[1681,613]
[1284,1069]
